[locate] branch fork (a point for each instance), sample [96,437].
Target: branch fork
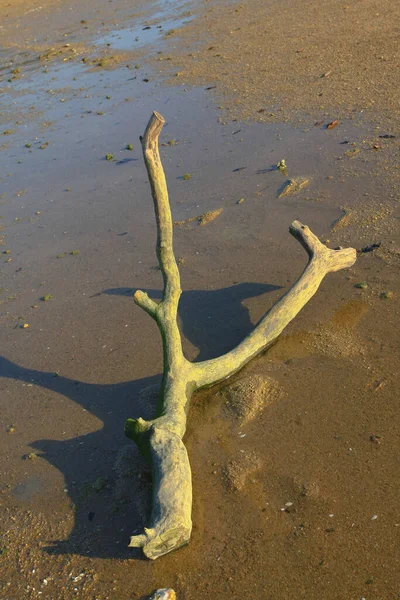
[160,439]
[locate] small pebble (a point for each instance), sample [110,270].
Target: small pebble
[387,295]
[163,594]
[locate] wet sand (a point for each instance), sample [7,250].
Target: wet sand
[317,517]
[290,59]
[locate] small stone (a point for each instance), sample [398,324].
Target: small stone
[31,456]
[386,295]
[100,484]
[361,285]
[163,594]
[282,167]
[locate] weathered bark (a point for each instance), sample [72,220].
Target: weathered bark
[160,440]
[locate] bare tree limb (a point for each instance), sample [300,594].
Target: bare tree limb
[160,439]
[142,300]
[322,260]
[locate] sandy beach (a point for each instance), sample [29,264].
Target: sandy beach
[301,500]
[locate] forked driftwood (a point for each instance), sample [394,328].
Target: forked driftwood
[160,439]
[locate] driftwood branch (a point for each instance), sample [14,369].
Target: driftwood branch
[160,439]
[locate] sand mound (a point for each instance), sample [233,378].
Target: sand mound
[247,397]
[239,468]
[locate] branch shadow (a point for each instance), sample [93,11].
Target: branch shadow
[107,480]
[214,321]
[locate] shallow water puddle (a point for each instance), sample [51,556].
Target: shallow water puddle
[140,35]
[61,194]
